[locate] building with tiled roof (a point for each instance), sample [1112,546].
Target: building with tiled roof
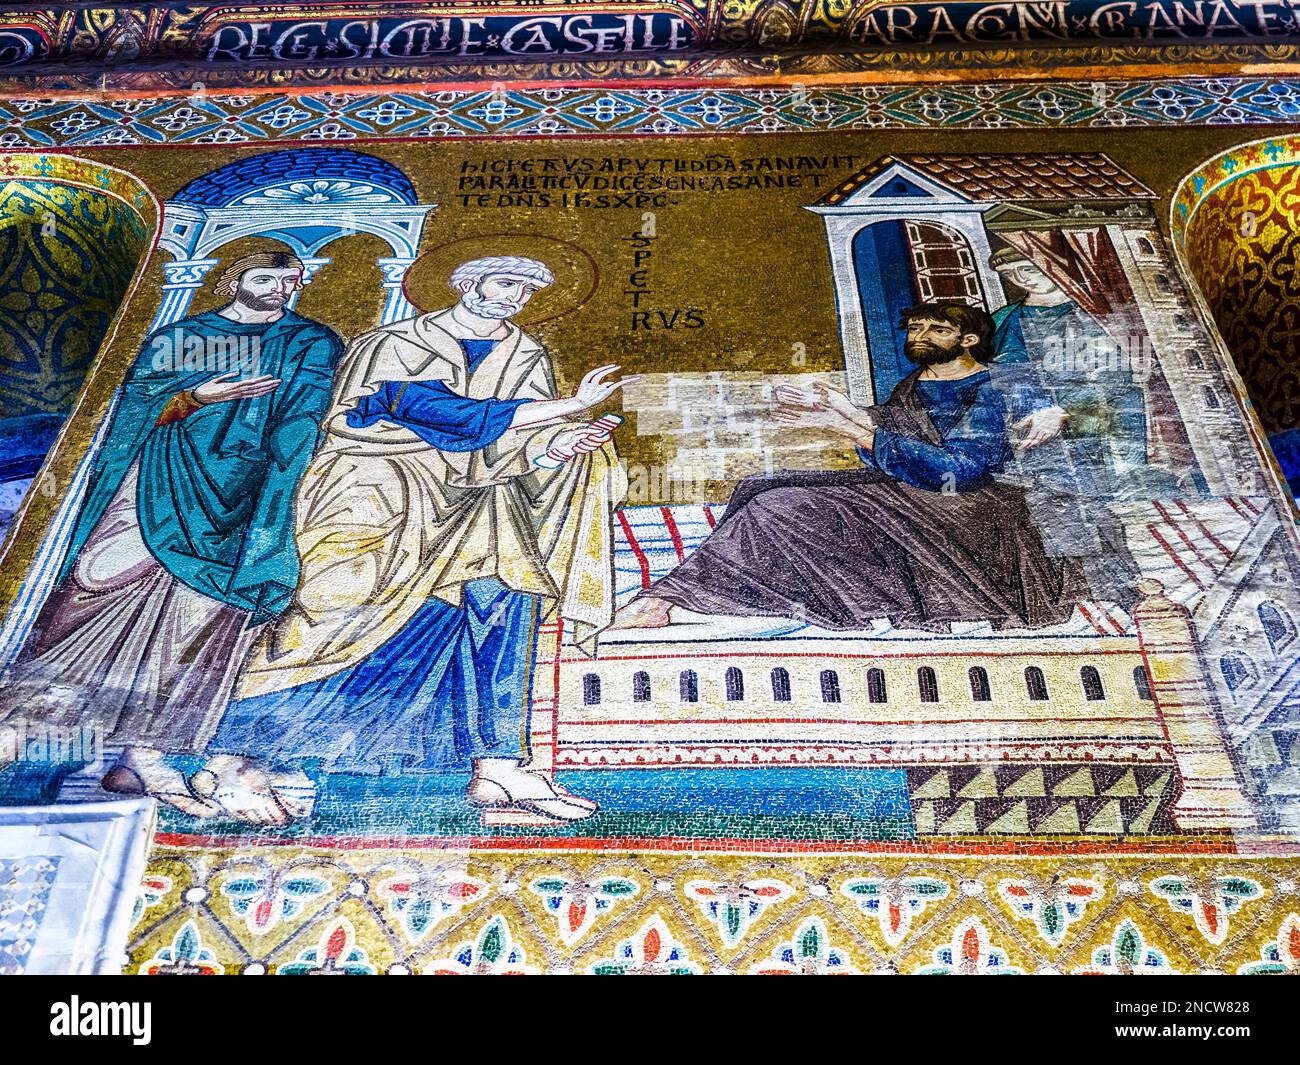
[1024,177]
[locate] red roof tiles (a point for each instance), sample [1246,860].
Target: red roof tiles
[1018,178]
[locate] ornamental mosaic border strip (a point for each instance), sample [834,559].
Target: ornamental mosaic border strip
[1229,165]
[232,118]
[364,912]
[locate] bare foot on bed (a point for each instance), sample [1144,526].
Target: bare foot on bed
[644,612]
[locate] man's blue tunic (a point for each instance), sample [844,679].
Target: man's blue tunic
[971,417]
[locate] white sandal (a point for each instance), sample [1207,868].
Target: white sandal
[483,791]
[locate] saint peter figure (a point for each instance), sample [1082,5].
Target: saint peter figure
[432,547]
[183,549]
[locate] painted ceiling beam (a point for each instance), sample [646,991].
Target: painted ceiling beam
[325,33]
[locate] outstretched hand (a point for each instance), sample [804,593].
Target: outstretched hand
[818,396]
[223,389]
[597,386]
[1039,427]
[819,407]
[794,398]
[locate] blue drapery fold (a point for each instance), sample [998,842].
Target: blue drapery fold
[971,417]
[454,684]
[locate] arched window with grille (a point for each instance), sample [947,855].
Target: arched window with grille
[1091,680]
[1278,626]
[1238,670]
[1142,683]
[590,689]
[781,684]
[979,684]
[1035,683]
[735,685]
[1145,246]
[690,686]
[830,686]
[876,690]
[1211,398]
[927,684]
[641,686]
[1193,359]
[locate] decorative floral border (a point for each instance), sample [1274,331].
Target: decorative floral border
[231,118]
[302,911]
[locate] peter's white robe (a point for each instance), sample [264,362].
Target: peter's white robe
[384,521]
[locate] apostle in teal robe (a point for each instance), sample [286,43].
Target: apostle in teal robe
[216,484]
[183,548]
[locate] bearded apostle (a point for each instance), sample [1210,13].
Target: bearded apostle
[923,534]
[183,549]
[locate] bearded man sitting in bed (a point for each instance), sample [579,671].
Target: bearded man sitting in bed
[922,535]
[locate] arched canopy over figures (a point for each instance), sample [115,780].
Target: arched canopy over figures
[907,228]
[306,198]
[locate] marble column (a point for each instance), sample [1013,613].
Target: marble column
[396,305]
[184,278]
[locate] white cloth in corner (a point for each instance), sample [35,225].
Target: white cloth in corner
[69,876]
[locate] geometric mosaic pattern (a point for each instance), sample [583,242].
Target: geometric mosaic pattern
[367,912]
[1044,800]
[25,885]
[233,118]
[1235,218]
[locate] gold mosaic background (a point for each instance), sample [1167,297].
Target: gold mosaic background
[754,264]
[1243,246]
